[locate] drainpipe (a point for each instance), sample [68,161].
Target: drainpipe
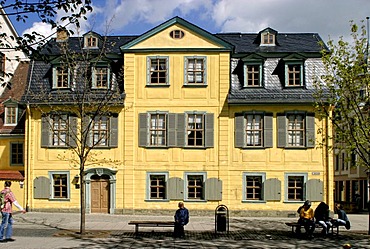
[27,164]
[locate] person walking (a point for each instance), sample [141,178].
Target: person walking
[181,219]
[6,212]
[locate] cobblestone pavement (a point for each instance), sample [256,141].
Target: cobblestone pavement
[59,230]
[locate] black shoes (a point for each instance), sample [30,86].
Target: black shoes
[10,240]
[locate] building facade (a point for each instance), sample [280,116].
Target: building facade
[203,118]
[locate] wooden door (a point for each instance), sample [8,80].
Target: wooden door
[100,196]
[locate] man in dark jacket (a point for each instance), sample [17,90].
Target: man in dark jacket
[181,219]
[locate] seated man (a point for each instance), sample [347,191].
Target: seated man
[306,218]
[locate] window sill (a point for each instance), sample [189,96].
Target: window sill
[195,85]
[296,148]
[57,199]
[293,202]
[154,200]
[189,200]
[196,147]
[157,85]
[254,201]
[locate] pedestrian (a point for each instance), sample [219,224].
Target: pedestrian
[322,217]
[6,212]
[181,219]
[342,217]
[306,218]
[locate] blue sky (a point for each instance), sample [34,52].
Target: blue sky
[124,17]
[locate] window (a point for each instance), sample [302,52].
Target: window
[294,74]
[157,71]
[268,39]
[253,75]
[101,77]
[177,34]
[60,130]
[162,129]
[253,186]
[337,162]
[253,129]
[100,129]
[61,77]
[60,185]
[158,129]
[295,187]
[16,157]
[157,186]
[2,64]
[195,129]
[11,115]
[195,71]
[344,163]
[296,129]
[195,186]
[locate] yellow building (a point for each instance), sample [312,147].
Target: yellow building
[205,118]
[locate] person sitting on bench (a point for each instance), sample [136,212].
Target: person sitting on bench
[306,218]
[322,217]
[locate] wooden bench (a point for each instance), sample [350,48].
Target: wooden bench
[295,225]
[145,223]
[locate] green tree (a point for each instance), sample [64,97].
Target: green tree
[343,96]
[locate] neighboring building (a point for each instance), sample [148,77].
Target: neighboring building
[205,118]
[9,57]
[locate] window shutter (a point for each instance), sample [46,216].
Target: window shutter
[143,129]
[41,188]
[310,130]
[267,131]
[181,129]
[167,72]
[113,137]
[213,189]
[186,71]
[20,112]
[209,139]
[148,65]
[239,130]
[314,190]
[281,123]
[172,124]
[205,71]
[87,130]
[72,131]
[175,188]
[272,189]
[45,131]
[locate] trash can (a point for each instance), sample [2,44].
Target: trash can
[221,219]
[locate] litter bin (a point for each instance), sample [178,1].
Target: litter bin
[221,219]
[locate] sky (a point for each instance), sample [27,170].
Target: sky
[329,18]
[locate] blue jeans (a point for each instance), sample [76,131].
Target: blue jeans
[6,224]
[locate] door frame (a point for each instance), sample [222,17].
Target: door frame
[112,187]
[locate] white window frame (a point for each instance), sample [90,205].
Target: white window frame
[268,43]
[244,181]
[246,75]
[61,142]
[186,71]
[148,184]
[55,78]
[150,71]
[303,138]
[188,132]
[101,140]
[94,77]
[165,131]
[7,109]
[301,73]
[261,129]
[87,39]
[186,190]
[286,177]
[52,196]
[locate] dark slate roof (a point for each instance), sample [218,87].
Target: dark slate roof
[287,43]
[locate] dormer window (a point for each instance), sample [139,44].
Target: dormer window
[92,42]
[61,77]
[11,115]
[268,39]
[100,77]
[294,74]
[2,64]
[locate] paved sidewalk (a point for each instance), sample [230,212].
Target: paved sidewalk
[58,230]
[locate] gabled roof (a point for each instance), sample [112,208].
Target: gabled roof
[182,22]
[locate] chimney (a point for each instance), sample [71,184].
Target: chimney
[62,35]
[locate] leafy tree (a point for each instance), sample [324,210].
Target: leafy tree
[81,109]
[343,96]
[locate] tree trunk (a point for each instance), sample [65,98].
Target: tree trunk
[82,203]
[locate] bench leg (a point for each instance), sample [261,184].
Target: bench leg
[136,229]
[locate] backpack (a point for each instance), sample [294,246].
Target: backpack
[2,198]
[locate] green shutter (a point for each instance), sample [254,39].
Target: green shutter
[213,187]
[167,71]
[209,139]
[314,190]
[205,70]
[148,76]
[239,130]
[310,130]
[87,131]
[113,137]
[181,129]
[175,188]
[281,124]
[72,131]
[186,70]
[45,131]
[272,189]
[172,124]
[143,129]
[267,131]
[41,188]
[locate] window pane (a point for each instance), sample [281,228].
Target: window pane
[157,187]
[254,130]
[60,186]
[195,71]
[294,75]
[158,71]
[17,153]
[158,129]
[195,131]
[59,130]
[195,187]
[296,130]
[253,187]
[100,129]
[295,188]
[253,75]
